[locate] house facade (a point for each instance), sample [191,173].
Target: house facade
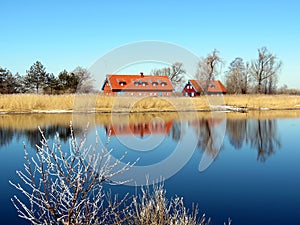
[194,88]
[137,85]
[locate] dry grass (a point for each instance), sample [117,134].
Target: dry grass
[99,103]
[153,208]
[258,102]
[31,103]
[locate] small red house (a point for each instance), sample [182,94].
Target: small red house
[194,88]
[117,84]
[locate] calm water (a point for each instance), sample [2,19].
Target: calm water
[245,169]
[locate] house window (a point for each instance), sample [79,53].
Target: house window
[192,94]
[212,86]
[163,83]
[154,83]
[144,83]
[136,83]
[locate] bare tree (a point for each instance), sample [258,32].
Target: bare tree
[175,73]
[83,80]
[267,66]
[208,68]
[237,77]
[65,187]
[270,84]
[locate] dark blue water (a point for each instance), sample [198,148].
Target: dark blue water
[251,170]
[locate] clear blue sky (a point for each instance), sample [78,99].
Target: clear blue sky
[67,34]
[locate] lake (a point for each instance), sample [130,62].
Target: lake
[239,165]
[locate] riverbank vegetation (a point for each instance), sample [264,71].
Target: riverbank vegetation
[33,103]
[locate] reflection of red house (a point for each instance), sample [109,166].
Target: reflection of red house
[140,129]
[195,88]
[116,84]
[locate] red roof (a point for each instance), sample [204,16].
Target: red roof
[138,82]
[214,86]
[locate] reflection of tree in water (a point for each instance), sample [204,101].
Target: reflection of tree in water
[263,137]
[6,136]
[261,134]
[237,130]
[175,131]
[207,138]
[33,136]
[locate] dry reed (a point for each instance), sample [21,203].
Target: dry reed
[22,103]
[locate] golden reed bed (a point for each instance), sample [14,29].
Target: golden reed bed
[25,103]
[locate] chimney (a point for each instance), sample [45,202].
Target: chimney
[142,74]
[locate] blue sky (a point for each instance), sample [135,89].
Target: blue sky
[67,34]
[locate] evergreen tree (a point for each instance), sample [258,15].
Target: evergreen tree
[51,84]
[35,77]
[68,82]
[8,83]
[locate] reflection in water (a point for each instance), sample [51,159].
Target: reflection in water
[237,132]
[260,134]
[264,138]
[33,136]
[155,126]
[175,132]
[6,136]
[207,137]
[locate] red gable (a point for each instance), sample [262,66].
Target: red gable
[213,87]
[118,82]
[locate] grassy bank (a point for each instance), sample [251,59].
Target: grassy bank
[42,103]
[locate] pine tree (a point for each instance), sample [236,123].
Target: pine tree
[36,76]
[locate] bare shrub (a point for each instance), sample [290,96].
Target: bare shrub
[66,187]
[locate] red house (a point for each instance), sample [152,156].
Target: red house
[194,88]
[117,84]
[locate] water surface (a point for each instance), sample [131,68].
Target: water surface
[251,173]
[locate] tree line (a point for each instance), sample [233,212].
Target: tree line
[260,75]
[38,80]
